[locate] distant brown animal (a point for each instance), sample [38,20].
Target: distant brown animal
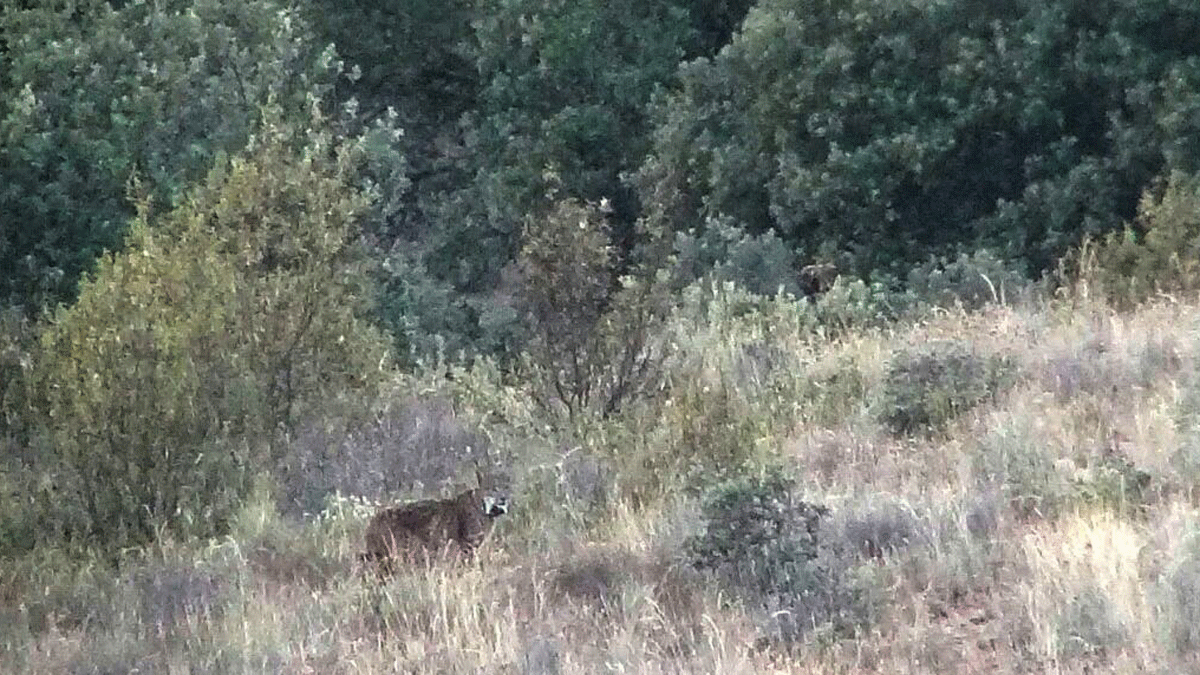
[817,278]
[432,528]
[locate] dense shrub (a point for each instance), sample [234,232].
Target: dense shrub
[852,304]
[762,542]
[968,281]
[1158,253]
[593,333]
[92,93]
[761,264]
[160,390]
[897,131]
[926,387]
[757,534]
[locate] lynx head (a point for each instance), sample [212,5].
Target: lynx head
[493,497]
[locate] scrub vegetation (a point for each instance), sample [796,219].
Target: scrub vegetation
[809,337]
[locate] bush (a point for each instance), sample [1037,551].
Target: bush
[855,305]
[758,535]
[969,281]
[1114,482]
[763,543]
[1158,253]
[1013,459]
[161,389]
[926,387]
[95,92]
[761,264]
[716,436]
[592,331]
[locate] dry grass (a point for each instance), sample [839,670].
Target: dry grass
[1006,544]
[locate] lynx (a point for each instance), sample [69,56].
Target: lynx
[817,278]
[433,527]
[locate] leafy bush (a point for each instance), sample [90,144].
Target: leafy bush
[763,542]
[926,387]
[823,124]
[592,332]
[94,92]
[160,390]
[757,535]
[855,305]
[761,264]
[1156,254]
[969,281]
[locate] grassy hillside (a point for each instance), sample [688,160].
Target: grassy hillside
[1008,491]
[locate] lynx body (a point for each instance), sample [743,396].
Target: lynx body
[432,528]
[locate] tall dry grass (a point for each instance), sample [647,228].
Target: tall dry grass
[1019,537]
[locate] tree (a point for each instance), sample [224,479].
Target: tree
[93,93]
[223,321]
[559,113]
[895,131]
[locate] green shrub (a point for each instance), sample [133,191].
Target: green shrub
[1158,253]
[855,305]
[1114,482]
[761,264]
[926,387]
[592,331]
[969,281]
[716,436]
[162,387]
[95,92]
[758,536]
[762,542]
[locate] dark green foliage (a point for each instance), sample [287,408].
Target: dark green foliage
[566,272]
[757,534]
[551,106]
[762,264]
[968,281]
[928,386]
[17,337]
[763,543]
[894,131]
[1159,253]
[95,93]
[427,318]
